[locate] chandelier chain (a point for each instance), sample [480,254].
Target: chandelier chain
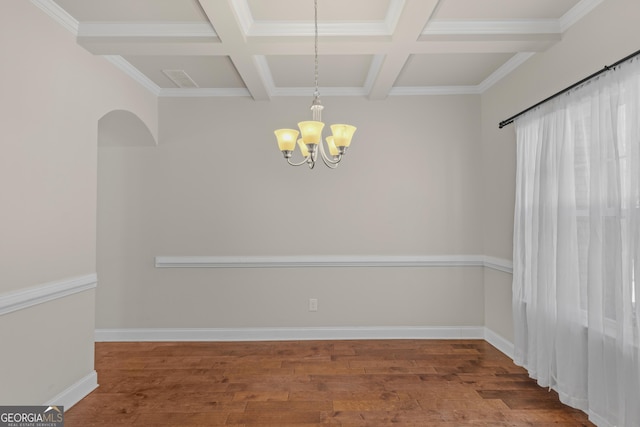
[317,91]
[311,145]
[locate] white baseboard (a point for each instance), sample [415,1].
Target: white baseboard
[289,334]
[311,333]
[74,393]
[499,342]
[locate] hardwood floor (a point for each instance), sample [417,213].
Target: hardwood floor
[308,383]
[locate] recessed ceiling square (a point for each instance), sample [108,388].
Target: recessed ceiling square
[328,10]
[133,10]
[334,70]
[206,71]
[498,10]
[468,69]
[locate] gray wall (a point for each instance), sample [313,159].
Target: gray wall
[216,185]
[53,94]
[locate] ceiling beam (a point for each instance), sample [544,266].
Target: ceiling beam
[408,29]
[138,47]
[220,14]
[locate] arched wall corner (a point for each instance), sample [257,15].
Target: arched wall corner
[122,128]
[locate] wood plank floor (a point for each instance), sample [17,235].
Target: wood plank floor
[310,383]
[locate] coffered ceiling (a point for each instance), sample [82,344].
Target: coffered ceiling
[265,48]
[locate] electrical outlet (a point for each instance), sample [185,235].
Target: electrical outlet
[313,304]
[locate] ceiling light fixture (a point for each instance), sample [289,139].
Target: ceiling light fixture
[311,131]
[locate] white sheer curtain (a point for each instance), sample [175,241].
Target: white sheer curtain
[576,280]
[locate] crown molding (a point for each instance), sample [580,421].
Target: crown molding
[134,73]
[577,12]
[504,70]
[305,91]
[58,14]
[25,298]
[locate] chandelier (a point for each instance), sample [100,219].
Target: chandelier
[311,131]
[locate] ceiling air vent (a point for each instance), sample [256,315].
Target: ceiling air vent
[180,78]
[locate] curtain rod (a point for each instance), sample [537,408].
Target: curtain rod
[567,89]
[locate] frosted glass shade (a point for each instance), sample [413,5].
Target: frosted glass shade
[333,150]
[342,134]
[286,139]
[303,148]
[311,131]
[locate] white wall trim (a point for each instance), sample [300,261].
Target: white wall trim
[577,12]
[499,342]
[499,264]
[76,392]
[134,73]
[24,298]
[333,261]
[504,70]
[61,16]
[288,334]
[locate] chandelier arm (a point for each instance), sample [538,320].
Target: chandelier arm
[327,161]
[305,160]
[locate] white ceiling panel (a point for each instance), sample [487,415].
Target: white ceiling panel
[205,71]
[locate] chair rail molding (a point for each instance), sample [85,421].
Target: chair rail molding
[24,298]
[294,261]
